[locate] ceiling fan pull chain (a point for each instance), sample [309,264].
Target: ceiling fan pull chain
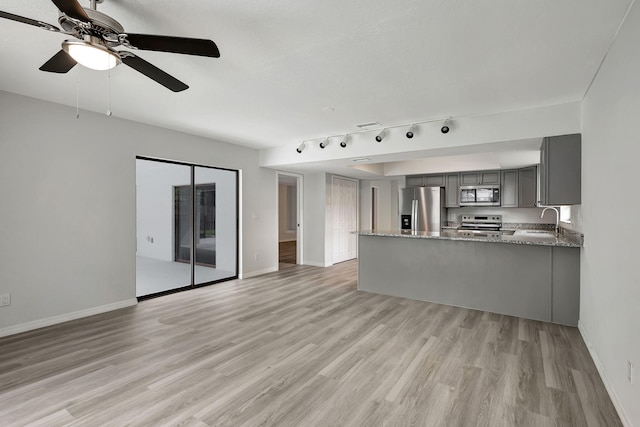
[77,95]
[109,94]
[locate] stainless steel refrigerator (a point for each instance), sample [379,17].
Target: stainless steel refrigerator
[421,208]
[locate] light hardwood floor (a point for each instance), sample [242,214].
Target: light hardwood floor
[300,347]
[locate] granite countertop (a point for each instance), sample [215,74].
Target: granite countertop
[520,237]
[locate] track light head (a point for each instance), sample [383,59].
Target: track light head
[381,135]
[446,126]
[411,131]
[324,143]
[344,142]
[300,147]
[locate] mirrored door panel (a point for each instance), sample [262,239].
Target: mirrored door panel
[163,227]
[215,224]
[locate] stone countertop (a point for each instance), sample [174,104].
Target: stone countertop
[563,240]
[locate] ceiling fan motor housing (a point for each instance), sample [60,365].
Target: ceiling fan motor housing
[100,26]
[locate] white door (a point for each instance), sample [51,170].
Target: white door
[345,219]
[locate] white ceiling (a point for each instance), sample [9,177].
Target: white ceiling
[284,62]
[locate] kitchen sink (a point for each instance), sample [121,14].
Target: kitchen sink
[536,233]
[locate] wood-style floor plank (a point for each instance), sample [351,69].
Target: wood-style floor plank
[300,347]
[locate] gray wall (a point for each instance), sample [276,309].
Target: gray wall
[68,239]
[610,283]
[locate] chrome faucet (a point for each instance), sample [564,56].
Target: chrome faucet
[557,216]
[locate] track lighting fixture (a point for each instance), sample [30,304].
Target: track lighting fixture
[344,142]
[446,126]
[412,130]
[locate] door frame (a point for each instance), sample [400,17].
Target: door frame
[299,209]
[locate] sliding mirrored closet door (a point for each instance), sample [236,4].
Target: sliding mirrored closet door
[187,226]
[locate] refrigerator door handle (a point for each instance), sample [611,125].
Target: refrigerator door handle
[414,215]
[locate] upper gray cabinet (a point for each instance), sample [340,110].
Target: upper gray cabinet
[509,187]
[414,181]
[560,169]
[527,187]
[452,190]
[435,180]
[483,177]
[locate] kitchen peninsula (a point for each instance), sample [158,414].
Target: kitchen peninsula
[520,275]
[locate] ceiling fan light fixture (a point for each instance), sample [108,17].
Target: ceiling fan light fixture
[93,56]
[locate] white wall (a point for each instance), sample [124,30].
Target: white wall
[610,283]
[68,189]
[314,207]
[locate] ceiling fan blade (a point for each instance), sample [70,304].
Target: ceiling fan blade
[72,9]
[61,63]
[185,45]
[152,72]
[29,21]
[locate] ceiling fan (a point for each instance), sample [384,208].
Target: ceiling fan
[97,37]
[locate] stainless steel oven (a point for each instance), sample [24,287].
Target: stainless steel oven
[480,225]
[479,195]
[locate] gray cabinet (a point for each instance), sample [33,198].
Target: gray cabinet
[490,177]
[434,180]
[481,177]
[527,187]
[452,190]
[414,181]
[509,189]
[560,169]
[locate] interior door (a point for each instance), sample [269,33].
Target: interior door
[345,219]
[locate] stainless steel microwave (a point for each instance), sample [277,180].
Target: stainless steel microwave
[479,195]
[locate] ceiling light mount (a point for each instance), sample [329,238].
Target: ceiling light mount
[344,142]
[301,147]
[324,143]
[380,136]
[446,125]
[411,131]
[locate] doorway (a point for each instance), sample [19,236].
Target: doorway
[186,226]
[289,220]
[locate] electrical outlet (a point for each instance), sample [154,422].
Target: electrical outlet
[5,300]
[630,371]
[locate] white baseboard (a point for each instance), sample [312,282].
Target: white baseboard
[37,324]
[624,417]
[257,273]
[317,264]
